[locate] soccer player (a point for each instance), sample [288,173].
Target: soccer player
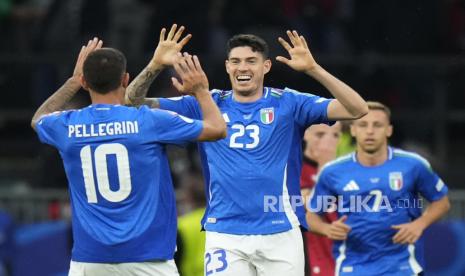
[377,190]
[252,176]
[320,147]
[124,216]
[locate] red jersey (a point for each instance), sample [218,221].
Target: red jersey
[318,248]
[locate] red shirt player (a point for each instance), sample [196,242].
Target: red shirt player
[320,148]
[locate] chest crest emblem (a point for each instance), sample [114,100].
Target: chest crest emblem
[395,181]
[267,115]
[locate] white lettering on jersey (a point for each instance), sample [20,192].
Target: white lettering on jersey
[103,129]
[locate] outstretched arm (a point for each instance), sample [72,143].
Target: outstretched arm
[348,103]
[195,82]
[65,93]
[163,56]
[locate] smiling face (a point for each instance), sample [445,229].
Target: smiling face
[247,70]
[372,131]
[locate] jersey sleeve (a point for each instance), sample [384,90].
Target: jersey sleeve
[428,183]
[309,109]
[320,194]
[49,128]
[185,105]
[172,128]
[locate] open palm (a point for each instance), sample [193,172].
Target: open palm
[168,47]
[301,58]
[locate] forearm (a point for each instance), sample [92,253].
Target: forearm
[213,121]
[316,224]
[58,100]
[139,87]
[434,212]
[346,96]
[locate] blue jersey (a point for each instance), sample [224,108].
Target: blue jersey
[252,176]
[375,198]
[123,205]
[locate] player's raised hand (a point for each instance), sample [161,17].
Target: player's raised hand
[190,71]
[92,45]
[408,233]
[338,230]
[169,45]
[301,58]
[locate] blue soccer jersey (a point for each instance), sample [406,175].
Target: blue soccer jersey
[374,199]
[252,176]
[122,198]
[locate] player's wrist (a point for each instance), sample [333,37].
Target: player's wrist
[313,69]
[74,82]
[200,92]
[326,230]
[421,223]
[155,65]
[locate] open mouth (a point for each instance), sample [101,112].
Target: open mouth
[243,78]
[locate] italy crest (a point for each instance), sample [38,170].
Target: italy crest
[395,181]
[267,115]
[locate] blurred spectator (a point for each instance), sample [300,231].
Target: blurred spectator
[191,240]
[320,147]
[346,142]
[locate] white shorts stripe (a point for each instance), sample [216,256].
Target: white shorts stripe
[413,261]
[340,258]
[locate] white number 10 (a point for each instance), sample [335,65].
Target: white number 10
[103,182]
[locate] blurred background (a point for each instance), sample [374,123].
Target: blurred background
[408,54]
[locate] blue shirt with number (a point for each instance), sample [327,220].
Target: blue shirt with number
[374,199]
[123,205]
[252,176]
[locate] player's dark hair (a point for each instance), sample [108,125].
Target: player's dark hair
[380,106]
[256,43]
[104,69]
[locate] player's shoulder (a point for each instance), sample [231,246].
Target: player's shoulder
[289,94]
[338,163]
[411,157]
[282,94]
[163,114]
[57,115]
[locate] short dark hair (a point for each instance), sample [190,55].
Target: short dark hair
[104,69]
[256,43]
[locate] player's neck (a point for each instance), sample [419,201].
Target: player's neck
[250,97]
[372,159]
[113,97]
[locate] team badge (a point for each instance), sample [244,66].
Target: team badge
[395,181]
[267,115]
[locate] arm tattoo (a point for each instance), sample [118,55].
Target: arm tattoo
[137,90]
[152,102]
[57,101]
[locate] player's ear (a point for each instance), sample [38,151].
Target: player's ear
[389,131]
[267,65]
[84,83]
[125,81]
[352,129]
[226,65]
